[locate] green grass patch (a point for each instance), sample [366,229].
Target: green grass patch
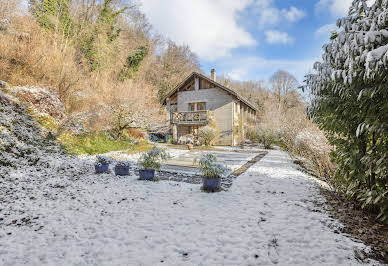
[44,120]
[98,143]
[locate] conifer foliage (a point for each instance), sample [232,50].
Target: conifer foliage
[350,89]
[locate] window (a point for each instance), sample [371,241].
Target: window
[197,106]
[201,106]
[192,107]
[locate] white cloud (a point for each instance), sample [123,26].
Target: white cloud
[278,37]
[236,74]
[258,68]
[210,28]
[337,8]
[325,30]
[269,15]
[293,14]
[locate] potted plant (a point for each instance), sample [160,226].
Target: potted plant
[151,161]
[212,172]
[122,168]
[102,164]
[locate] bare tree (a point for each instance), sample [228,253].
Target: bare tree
[283,83]
[175,63]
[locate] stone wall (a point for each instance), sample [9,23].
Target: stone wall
[216,100]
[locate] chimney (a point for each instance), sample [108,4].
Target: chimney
[213,74]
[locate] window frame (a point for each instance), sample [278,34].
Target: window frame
[194,106]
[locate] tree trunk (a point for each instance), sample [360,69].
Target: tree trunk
[373,174]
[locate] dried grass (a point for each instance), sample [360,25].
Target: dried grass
[295,132]
[31,56]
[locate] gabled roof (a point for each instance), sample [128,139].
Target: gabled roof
[216,84]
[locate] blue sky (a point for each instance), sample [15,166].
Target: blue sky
[249,39]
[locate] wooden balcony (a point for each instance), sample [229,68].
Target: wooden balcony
[191,118]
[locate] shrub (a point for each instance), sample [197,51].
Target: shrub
[135,133]
[312,145]
[350,104]
[208,135]
[252,134]
[266,137]
[153,158]
[101,159]
[210,168]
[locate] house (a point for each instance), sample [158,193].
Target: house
[199,100]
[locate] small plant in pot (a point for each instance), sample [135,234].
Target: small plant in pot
[212,172]
[151,161]
[102,164]
[122,168]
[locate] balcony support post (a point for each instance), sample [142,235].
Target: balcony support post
[174,133]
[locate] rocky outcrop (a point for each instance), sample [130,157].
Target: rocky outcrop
[3,84]
[4,24]
[21,138]
[41,99]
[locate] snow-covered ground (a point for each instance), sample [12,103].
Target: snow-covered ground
[267,217]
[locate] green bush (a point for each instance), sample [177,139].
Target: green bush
[267,138]
[153,158]
[262,135]
[210,168]
[351,105]
[252,134]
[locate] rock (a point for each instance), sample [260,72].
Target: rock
[23,36]
[4,24]
[3,85]
[4,99]
[42,99]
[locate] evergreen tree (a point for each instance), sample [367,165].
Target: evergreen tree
[350,89]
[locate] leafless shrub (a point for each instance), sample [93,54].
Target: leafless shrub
[208,135]
[283,117]
[312,144]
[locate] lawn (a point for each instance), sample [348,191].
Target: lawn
[99,143]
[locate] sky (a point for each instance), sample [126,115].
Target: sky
[249,39]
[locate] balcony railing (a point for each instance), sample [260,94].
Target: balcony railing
[194,117]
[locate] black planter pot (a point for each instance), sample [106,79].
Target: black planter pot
[101,168]
[211,184]
[122,171]
[147,174]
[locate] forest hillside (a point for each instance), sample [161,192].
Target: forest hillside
[96,56]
